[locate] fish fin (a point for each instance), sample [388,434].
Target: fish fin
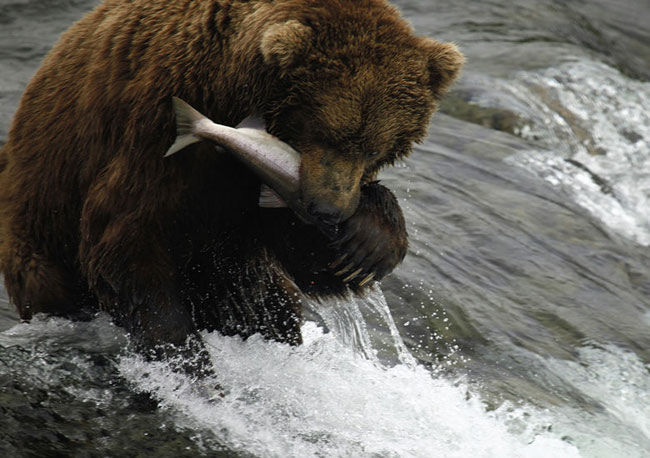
[186,119]
[252,122]
[269,198]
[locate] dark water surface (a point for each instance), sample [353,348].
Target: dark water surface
[525,297]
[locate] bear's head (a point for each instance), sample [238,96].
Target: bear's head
[355,88]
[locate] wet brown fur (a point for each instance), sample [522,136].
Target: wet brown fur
[92,216]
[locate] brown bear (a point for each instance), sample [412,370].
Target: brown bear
[93,218]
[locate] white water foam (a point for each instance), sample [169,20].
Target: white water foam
[591,113]
[632,222]
[326,399]
[617,384]
[323,398]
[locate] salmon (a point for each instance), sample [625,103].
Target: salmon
[276,163]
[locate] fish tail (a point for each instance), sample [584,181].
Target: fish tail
[186,119]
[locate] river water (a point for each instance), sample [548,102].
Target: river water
[518,325]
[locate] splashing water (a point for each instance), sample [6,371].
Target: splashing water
[329,398]
[347,318]
[326,399]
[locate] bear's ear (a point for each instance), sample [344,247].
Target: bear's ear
[282,43]
[444,62]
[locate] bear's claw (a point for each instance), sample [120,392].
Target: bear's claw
[368,278]
[344,270]
[353,275]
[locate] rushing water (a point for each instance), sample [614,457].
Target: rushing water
[518,325]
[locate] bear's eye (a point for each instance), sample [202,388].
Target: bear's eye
[373,154]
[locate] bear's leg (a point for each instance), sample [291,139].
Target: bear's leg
[244,296]
[124,253]
[37,284]
[146,305]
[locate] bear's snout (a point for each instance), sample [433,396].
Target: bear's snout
[330,184]
[330,208]
[325,213]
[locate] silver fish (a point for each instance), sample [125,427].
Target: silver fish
[273,161]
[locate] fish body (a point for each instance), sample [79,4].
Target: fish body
[273,161]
